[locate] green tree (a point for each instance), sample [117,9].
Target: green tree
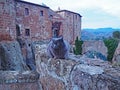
[116,34]
[111,45]
[78,46]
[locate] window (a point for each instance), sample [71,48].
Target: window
[41,13]
[17,30]
[26,11]
[27,32]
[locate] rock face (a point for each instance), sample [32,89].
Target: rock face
[28,53]
[97,46]
[77,73]
[11,57]
[116,57]
[14,73]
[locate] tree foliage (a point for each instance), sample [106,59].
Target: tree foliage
[111,44]
[116,34]
[78,46]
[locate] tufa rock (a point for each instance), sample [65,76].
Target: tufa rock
[80,74]
[28,52]
[11,57]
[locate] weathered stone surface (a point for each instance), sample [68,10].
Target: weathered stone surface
[51,83]
[77,73]
[14,74]
[97,46]
[9,77]
[27,52]
[20,86]
[109,80]
[116,57]
[11,57]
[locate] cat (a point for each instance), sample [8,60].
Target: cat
[58,48]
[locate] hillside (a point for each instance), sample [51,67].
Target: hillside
[96,34]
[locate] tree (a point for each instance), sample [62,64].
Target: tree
[111,45]
[78,46]
[116,34]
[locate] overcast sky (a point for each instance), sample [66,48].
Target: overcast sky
[95,13]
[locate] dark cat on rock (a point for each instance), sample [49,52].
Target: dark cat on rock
[58,48]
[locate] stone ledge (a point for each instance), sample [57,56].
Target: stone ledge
[7,77]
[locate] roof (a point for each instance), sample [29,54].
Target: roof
[31,3]
[69,11]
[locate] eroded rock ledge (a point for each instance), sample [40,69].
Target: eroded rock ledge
[8,77]
[77,73]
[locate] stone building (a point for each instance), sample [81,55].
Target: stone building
[72,25]
[21,19]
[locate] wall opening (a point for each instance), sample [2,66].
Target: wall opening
[17,30]
[41,13]
[27,32]
[26,11]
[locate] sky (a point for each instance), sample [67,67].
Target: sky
[95,13]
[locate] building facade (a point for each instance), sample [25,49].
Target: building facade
[21,19]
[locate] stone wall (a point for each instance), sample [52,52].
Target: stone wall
[72,25]
[37,21]
[28,20]
[7,20]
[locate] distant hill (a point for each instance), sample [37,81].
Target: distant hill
[97,34]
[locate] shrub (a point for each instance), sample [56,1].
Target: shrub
[78,46]
[111,44]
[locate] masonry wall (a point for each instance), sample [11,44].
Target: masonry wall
[7,20]
[72,25]
[24,20]
[39,26]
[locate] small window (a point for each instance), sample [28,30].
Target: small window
[26,11]
[41,13]
[17,30]
[27,32]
